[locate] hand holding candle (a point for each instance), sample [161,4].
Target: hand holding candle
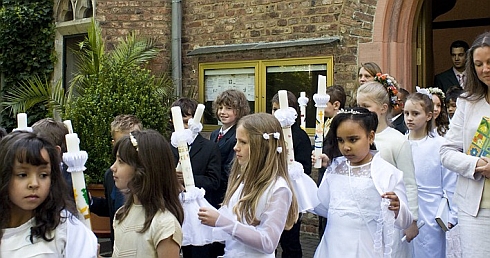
[184,158]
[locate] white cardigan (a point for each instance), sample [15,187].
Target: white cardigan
[464,124]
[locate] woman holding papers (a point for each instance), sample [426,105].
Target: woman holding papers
[472,193]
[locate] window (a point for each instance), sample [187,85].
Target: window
[260,80]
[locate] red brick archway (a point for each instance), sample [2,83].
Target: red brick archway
[394,40]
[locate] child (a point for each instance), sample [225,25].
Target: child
[55,132]
[149,223]
[452,95]
[113,199]
[362,195]
[206,168]
[432,178]
[379,97]
[229,107]
[259,203]
[290,243]
[440,121]
[37,219]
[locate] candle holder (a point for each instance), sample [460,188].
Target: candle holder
[76,165]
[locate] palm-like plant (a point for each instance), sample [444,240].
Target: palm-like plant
[37,91]
[92,58]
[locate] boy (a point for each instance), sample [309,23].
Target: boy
[206,168]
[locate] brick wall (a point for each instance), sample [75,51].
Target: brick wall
[211,23]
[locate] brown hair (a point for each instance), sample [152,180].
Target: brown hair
[474,88]
[234,99]
[126,124]
[262,170]
[371,67]
[155,180]
[52,130]
[428,106]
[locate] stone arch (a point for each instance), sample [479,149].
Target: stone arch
[394,39]
[67,10]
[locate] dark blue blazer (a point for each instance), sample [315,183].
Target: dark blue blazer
[226,145]
[445,80]
[206,167]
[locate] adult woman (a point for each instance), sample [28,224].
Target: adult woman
[367,72]
[472,193]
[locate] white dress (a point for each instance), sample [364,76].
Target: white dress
[432,180]
[395,148]
[260,241]
[358,218]
[71,239]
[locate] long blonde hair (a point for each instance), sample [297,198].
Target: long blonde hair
[262,170]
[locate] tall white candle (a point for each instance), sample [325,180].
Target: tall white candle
[322,84]
[199,112]
[283,99]
[72,143]
[302,107]
[177,119]
[68,125]
[21,120]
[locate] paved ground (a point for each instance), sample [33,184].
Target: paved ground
[309,242]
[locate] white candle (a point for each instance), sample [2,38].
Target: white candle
[68,125]
[177,119]
[21,120]
[199,112]
[283,99]
[72,142]
[322,84]
[302,94]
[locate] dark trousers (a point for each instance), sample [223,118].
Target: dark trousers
[290,244]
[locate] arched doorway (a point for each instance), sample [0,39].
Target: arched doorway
[411,42]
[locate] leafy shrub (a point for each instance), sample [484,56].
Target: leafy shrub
[115,83]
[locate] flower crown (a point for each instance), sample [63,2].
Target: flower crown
[390,84]
[437,91]
[349,111]
[276,135]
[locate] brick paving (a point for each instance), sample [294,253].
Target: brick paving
[309,242]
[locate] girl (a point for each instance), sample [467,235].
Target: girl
[441,120]
[362,195]
[380,97]
[149,223]
[473,187]
[37,218]
[432,178]
[259,203]
[367,72]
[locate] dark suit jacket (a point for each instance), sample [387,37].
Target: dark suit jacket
[302,147]
[225,145]
[399,124]
[445,80]
[206,167]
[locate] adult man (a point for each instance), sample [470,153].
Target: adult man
[456,74]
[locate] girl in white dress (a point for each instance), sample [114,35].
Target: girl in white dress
[440,123]
[37,217]
[362,195]
[433,179]
[259,203]
[149,222]
[380,96]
